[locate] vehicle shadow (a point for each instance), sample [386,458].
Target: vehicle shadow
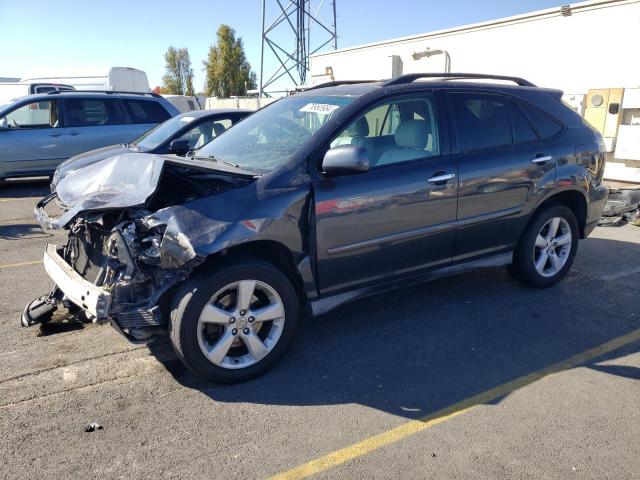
[21,231]
[416,351]
[25,187]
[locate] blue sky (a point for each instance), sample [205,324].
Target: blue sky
[39,36]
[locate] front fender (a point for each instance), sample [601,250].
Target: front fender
[200,228]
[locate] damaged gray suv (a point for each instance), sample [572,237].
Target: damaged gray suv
[339,192]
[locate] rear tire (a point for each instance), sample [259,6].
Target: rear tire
[235,322]
[547,247]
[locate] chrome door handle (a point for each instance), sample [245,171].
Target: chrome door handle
[442,178]
[543,159]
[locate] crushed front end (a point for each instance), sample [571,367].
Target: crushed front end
[122,253]
[110,269]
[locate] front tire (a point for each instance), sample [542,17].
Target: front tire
[234,323]
[547,247]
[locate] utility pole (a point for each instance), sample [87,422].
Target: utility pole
[287,38]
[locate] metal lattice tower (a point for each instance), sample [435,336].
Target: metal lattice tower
[288,37]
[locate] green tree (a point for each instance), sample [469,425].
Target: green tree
[178,77]
[227,70]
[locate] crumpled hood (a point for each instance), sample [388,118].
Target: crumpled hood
[120,181]
[87,158]
[126,180]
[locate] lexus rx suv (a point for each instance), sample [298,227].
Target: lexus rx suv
[342,191]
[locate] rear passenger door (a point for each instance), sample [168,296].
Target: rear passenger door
[94,123]
[504,166]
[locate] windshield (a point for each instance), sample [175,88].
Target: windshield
[160,133]
[265,140]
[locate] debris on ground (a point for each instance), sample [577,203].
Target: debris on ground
[622,207]
[92,427]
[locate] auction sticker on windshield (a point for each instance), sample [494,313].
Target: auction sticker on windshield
[319,108]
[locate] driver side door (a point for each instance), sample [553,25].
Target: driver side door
[397,218]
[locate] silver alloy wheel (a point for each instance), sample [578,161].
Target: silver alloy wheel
[241,324]
[552,247]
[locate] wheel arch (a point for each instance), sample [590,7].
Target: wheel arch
[574,199]
[270,251]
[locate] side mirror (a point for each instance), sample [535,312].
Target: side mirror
[4,123]
[179,147]
[345,160]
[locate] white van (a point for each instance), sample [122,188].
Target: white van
[122,79]
[9,91]
[184,103]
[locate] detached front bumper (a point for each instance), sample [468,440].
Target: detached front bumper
[91,298]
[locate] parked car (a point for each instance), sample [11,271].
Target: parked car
[122,79]
[178,135]
[323,197]
[37,132]
[11,91]
[184,103]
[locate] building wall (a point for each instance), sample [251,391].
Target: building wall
[595,47]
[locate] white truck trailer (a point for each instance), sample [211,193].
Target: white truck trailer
[124,79]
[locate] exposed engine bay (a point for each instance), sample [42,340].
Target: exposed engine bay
[124,250]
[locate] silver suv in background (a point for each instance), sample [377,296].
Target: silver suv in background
[37,132]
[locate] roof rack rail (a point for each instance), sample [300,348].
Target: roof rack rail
[110,92]
[335,83]
[410,77]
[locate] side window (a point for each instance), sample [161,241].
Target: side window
[44,89]
[43,114]
[522,129]
[482,120]
[93,112]
[205,132]
[221,125]
[145,111]
[117,115]
[399,130]
[544,124]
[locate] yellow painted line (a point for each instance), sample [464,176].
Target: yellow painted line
[17,199]
[21,264]
[405,430]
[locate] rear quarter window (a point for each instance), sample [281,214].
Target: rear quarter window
[145,111]
[546,126]
[522,129]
